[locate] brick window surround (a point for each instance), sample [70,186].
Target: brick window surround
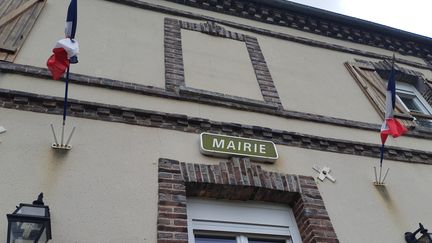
[174,66]
[237,179]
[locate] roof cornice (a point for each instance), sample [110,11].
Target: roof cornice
[344,19]
[321,22]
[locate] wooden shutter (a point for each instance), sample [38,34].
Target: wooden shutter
[375,90]
[17,17]
[427,93]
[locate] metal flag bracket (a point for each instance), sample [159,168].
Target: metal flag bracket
[61,145]
[379,180]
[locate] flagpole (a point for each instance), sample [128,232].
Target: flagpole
[65,53]
[65,103]
[390,126]
[381,162]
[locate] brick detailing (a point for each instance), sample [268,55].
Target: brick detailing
[265,32]
[174,66]
[37,72]
[210,95]
[311,215]
[320,24]
[212,28]
[190,94]
[238,179]
[172,218]
[262,73]
[91,110]
[384,67]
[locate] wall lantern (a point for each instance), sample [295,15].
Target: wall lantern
[424,238]
[30,223]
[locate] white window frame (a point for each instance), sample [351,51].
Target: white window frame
[404,89]
[241,219]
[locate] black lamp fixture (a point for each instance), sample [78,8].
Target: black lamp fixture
[424,238]
[30,223]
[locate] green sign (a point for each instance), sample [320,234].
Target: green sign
[227,146]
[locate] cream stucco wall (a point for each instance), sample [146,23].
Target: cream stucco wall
[315,80]
[219,65]
[130,48]
[105,188]
[126,43]
[108,96]
[116,41]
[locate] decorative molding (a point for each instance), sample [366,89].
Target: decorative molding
[174,65]
[91,110]
[238,179]
[200,96]
[199,93]
[287,16]
[265,32]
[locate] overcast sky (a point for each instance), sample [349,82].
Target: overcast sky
[413,16]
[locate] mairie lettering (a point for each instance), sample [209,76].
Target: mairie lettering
[239,146]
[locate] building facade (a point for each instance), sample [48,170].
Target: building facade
[155,74]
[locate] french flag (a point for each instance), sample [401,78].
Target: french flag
[66,50]
[391,126]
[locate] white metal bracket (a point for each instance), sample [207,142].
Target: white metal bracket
[61,145]
[324,173]
[379,181]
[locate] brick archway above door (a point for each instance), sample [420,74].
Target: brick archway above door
[237,179]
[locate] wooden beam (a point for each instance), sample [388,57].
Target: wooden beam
[16,12]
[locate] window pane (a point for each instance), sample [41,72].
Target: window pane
[214,239]
[265,241]
[411,104]
[424,123]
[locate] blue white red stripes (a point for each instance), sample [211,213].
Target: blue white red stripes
[71,20]
[391,126]
[66,50]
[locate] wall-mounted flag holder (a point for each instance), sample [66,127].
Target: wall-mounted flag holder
[61,145]
[379,180]
[65,53]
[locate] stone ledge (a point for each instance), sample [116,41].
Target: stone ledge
[91,110]
[199,93]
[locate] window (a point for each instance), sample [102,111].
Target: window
[217,221]
[411,108]
[236,239]
[373,86]
[414,103]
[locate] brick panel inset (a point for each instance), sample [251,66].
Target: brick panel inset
[238,179]
[174,64]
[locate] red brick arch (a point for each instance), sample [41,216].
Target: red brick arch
[237,179]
